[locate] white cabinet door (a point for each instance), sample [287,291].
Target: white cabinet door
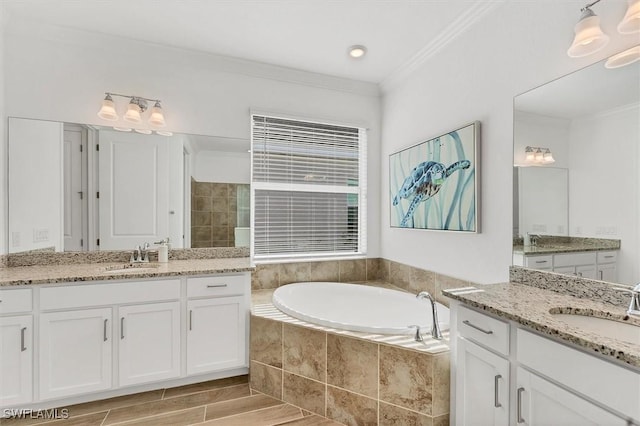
[482,386]
[541,403]
[216,335]
[16,360]
[586,271]
[134,189]
[607,272]
[149,342]
[75,352]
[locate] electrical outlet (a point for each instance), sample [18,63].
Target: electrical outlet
[40,235]
[15,239]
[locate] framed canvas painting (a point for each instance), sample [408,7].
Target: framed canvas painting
[434,184]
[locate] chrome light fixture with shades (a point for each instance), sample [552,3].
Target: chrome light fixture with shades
[589,37]
[538,155]
[136,107]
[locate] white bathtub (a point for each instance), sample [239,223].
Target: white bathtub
[358,307]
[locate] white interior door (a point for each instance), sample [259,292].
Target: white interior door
[75,192]
[133,189]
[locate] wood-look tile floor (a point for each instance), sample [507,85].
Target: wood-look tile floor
[225,402]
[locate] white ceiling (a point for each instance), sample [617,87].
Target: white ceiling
[311,35]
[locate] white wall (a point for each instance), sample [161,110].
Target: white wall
[517,46]
[604,182]
[543,132]
[3,144]
[60,74]
[225,167]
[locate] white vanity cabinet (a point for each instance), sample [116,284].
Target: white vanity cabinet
[607,266]
[596,265]
[149,342]
[579,264]
[16,347]
[553,384]
[217,309]
[75,352]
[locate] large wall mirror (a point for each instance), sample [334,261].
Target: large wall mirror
[76,187]
[590,122]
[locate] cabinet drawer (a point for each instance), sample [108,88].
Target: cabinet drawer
[574,259]
[77,296]
[538,262]
[609,384]
[607,256]
[217,285]
[490,332]
[12,301]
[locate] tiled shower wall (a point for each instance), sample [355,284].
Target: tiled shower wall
[213,213]
[409,278]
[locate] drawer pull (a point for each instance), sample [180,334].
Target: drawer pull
[216,285]
[609,256]
[22,339]
[541,261]
[104,331]
[122,328]
[190,319]
[519,407]
[466,322]
[601,275]
[496,403]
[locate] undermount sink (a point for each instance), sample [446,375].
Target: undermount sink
[131,267]
[615,329]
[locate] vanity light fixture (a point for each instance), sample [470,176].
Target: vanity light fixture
[538,155]
[589,37]
[627,57]
[136,107]
[357,51]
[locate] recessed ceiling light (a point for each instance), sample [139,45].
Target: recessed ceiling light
[357,51]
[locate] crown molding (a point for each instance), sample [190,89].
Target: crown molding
[465,21]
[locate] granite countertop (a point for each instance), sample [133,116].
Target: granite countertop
[533,307]
[560,248]
[50,274]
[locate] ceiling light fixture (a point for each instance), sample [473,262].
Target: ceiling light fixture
[631,21]
[357,51]
[136,107]
[538,155]
[589,37]
[627,57]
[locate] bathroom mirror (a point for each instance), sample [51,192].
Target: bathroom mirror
[76,187]
[590,122]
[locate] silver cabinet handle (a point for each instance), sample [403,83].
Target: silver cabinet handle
[104,331]
[122,328]
[496,403]
[190,319]
[22,346]
[609,257]
[476,327]
[519,407]
[216,285]
[541,261]
[601,274]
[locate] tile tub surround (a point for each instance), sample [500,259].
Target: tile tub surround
[353,378]
[579,287]
[532,307]
[34,258]
[405,277]
[50,274]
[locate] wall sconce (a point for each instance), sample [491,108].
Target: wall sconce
[538,155]
[589,37]
[136,107]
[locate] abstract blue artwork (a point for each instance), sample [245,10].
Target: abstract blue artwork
[434,184]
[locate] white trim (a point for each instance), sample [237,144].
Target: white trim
[465,21]
[306,188]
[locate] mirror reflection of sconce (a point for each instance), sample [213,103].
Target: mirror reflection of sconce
[589,36]
[538,155]
[137,105]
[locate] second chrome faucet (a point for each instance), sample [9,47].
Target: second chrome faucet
[435,329]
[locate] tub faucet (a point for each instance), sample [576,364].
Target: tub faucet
[435,330]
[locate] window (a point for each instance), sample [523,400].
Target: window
[308,189]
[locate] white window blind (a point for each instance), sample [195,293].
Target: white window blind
[308,188]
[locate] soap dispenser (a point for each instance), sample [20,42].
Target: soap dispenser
[163,250]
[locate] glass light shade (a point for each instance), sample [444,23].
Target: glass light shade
[539,156]
[631,21]
[627,57]
[589,37]
[164,133]
[548,157]
[156,118]
[108,110]
[133,113]
[529,155]
[122,129]
[143,131]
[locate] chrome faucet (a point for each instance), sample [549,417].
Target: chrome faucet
[634,305]
[435,330]
[140,254]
